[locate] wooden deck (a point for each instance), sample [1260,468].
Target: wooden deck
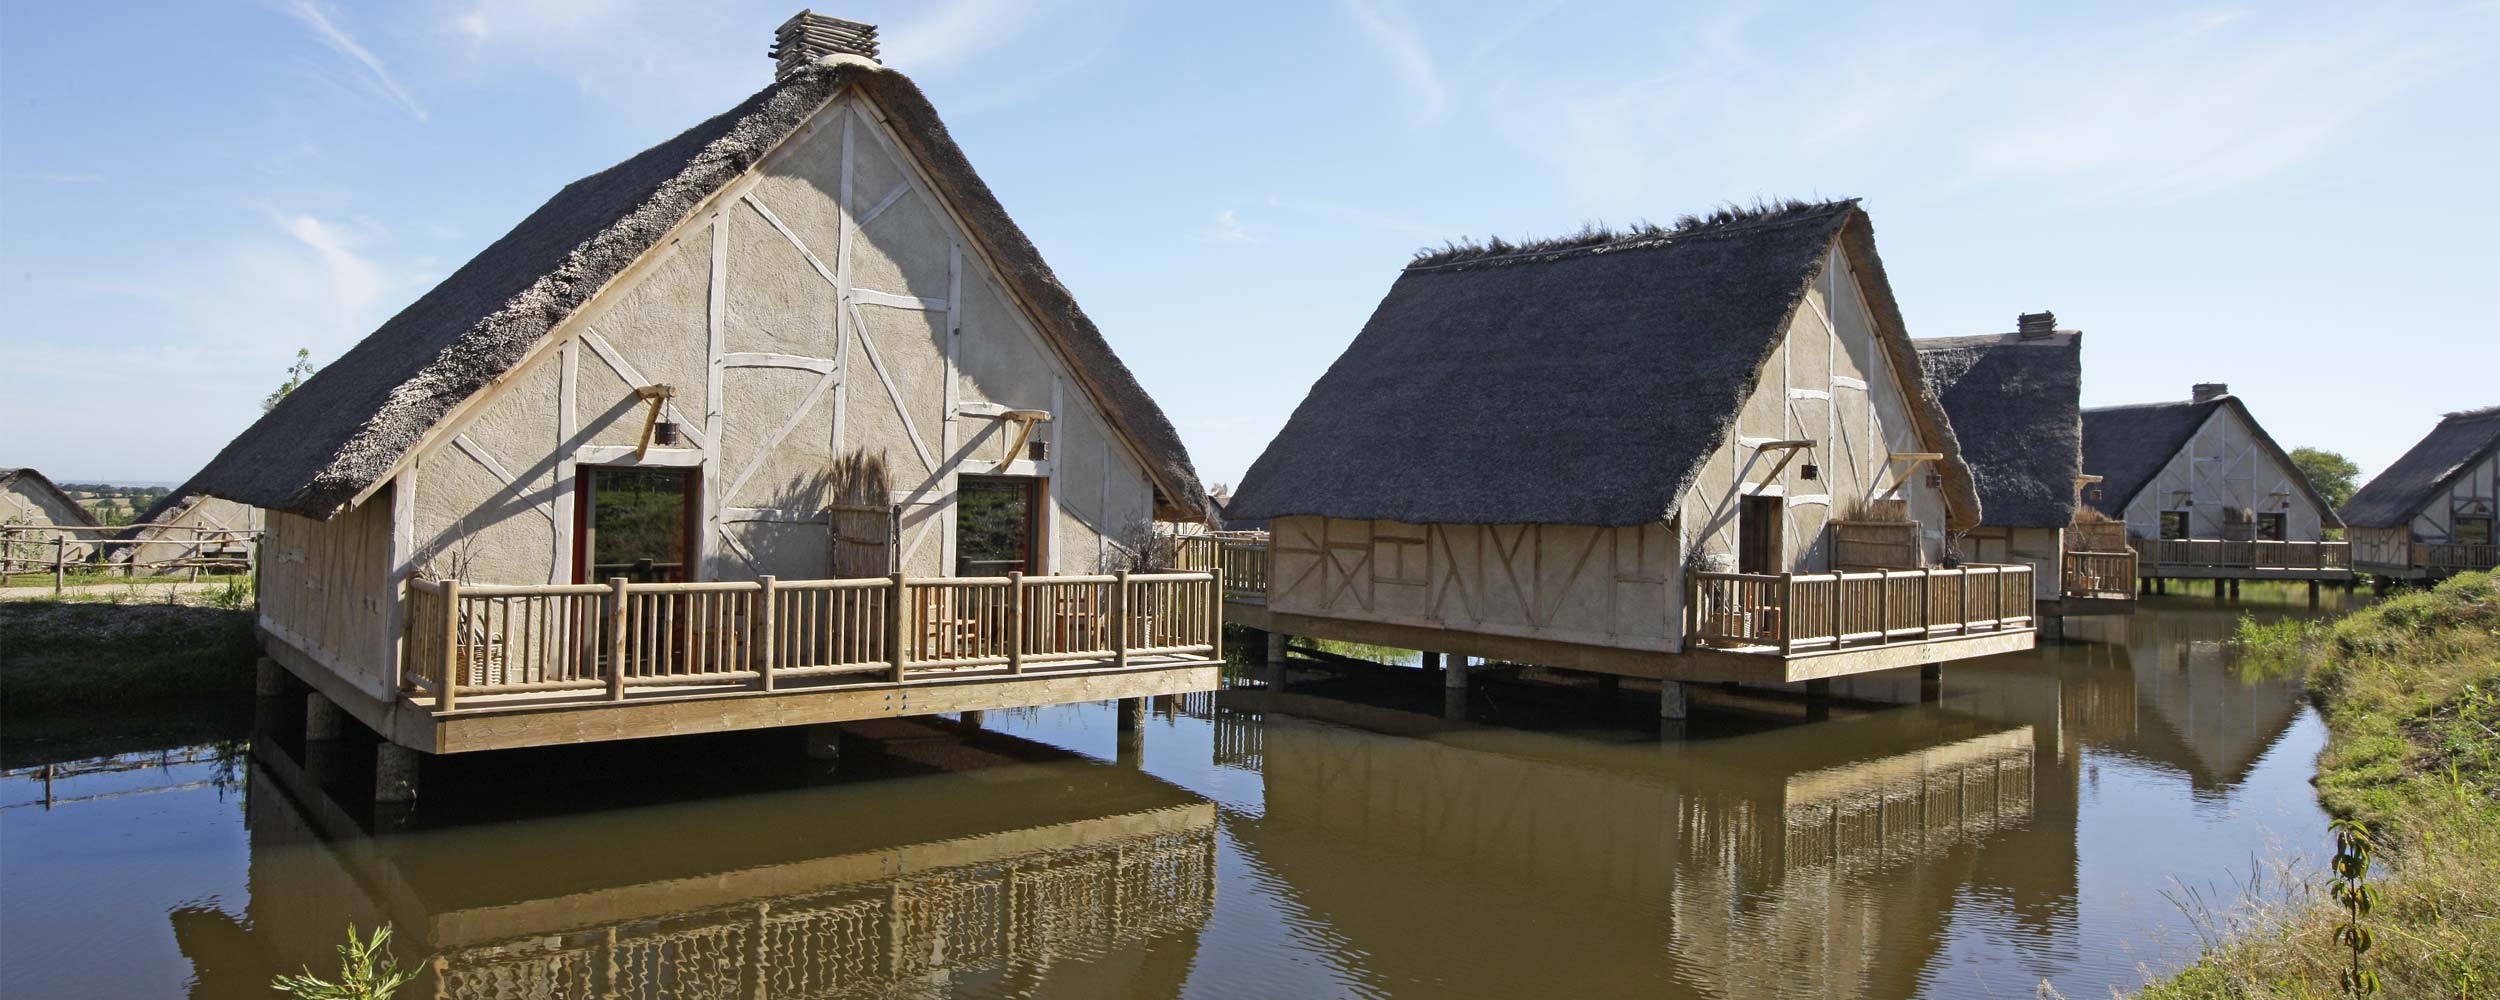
[2217,559]
[1758,628]
[492,667]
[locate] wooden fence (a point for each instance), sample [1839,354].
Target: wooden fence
[2216,553]
[2455,556]
[1876,545]
[1821,611]
[62,549]
[625,636]
[2099,575]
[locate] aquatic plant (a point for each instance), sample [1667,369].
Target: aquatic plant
[367,971]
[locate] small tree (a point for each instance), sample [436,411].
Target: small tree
[2330,473]
[295,375]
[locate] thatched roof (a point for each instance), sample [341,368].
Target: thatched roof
[2426,472]
[41,483]
[2017,409]
[349,426]
[2128,445]
[1568,384]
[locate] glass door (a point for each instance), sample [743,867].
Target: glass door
[634,523]
[995,520]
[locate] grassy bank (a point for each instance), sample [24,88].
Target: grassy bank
[2410,690]
[71,671]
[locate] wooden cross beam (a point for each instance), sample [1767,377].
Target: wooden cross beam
[1788,452]
[1916,459]
[658,396]
[1024,421]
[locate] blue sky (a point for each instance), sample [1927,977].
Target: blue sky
[2290,198]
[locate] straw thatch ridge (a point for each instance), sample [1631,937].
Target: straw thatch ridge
[2462,441]
[2017,409]
[10,477]
[1599,238]
[2128,445]
[1575,386]
[350,425]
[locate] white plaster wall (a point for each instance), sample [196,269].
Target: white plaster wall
[27,504]
[2224,465]
[776,371]
[1613,587]
[2480,487]
[1829,382]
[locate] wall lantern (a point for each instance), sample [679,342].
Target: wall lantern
[1809,471]
[664,433]
[2096,494]
[1935,480]
[1040,450]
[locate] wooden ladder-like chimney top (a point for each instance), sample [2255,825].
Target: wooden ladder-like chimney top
[2205,391]
[809,36]
[2035,326]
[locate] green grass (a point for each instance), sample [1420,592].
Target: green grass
[72,658]
[2410,690]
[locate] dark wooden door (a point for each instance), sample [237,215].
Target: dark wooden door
[1758,534]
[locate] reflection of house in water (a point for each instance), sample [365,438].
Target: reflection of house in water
[2195,713]
[783,894]
[1824,867]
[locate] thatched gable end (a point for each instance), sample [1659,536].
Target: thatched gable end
[2016,406]
[347,428]
[44,503]
[1581,383]
[2128,446]
[2428,470]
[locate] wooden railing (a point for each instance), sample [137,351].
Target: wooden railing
[468,639]
[2455,556]
[2098,575]
[175,549]
[2216,553]
[1804,612]
[1245,570]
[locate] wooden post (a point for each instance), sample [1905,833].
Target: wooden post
[894,611]
[1883,606]
[1840,600]
[1788,613]
[447,674]
[616,638]
[1015,622]
[1119,621]
[1926,603]
[760,638]
[60,563]
[1964,582]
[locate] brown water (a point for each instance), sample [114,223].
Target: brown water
[2063,815]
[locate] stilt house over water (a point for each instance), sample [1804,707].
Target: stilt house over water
[1699,453]
[779,421]
[2016,402]
[2430,515]
[2207,494]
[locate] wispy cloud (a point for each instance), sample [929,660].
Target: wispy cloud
[1227,228]
[340,41]
[527,18]
[947,33]
[1390,28]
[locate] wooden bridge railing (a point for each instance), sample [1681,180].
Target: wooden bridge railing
[2455,556]
[1245,570]
[1804,612]
[2098,575]
[623,637]
[2216,553]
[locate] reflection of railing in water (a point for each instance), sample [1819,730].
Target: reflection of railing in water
[1930,810]
[865,938]
[50,775]
[1240,740]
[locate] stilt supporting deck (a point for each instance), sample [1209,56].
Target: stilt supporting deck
[1130,748]
[2222,588]
[969,719]
[1607,686]
[1432,660]
[2144,587]
[323,719]
[268,678]
[1931,682]
[1132,713]
[1671,703]
[2313,595]
[2161,585]
[1818,700]
[1275,661]
[395,774]
[1454,687]
[2235,590]
[824,742]
[2051,628]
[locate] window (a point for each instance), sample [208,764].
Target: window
[2270,527]
[634,523]
[2174,524]
[2472,530]
[994,524]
